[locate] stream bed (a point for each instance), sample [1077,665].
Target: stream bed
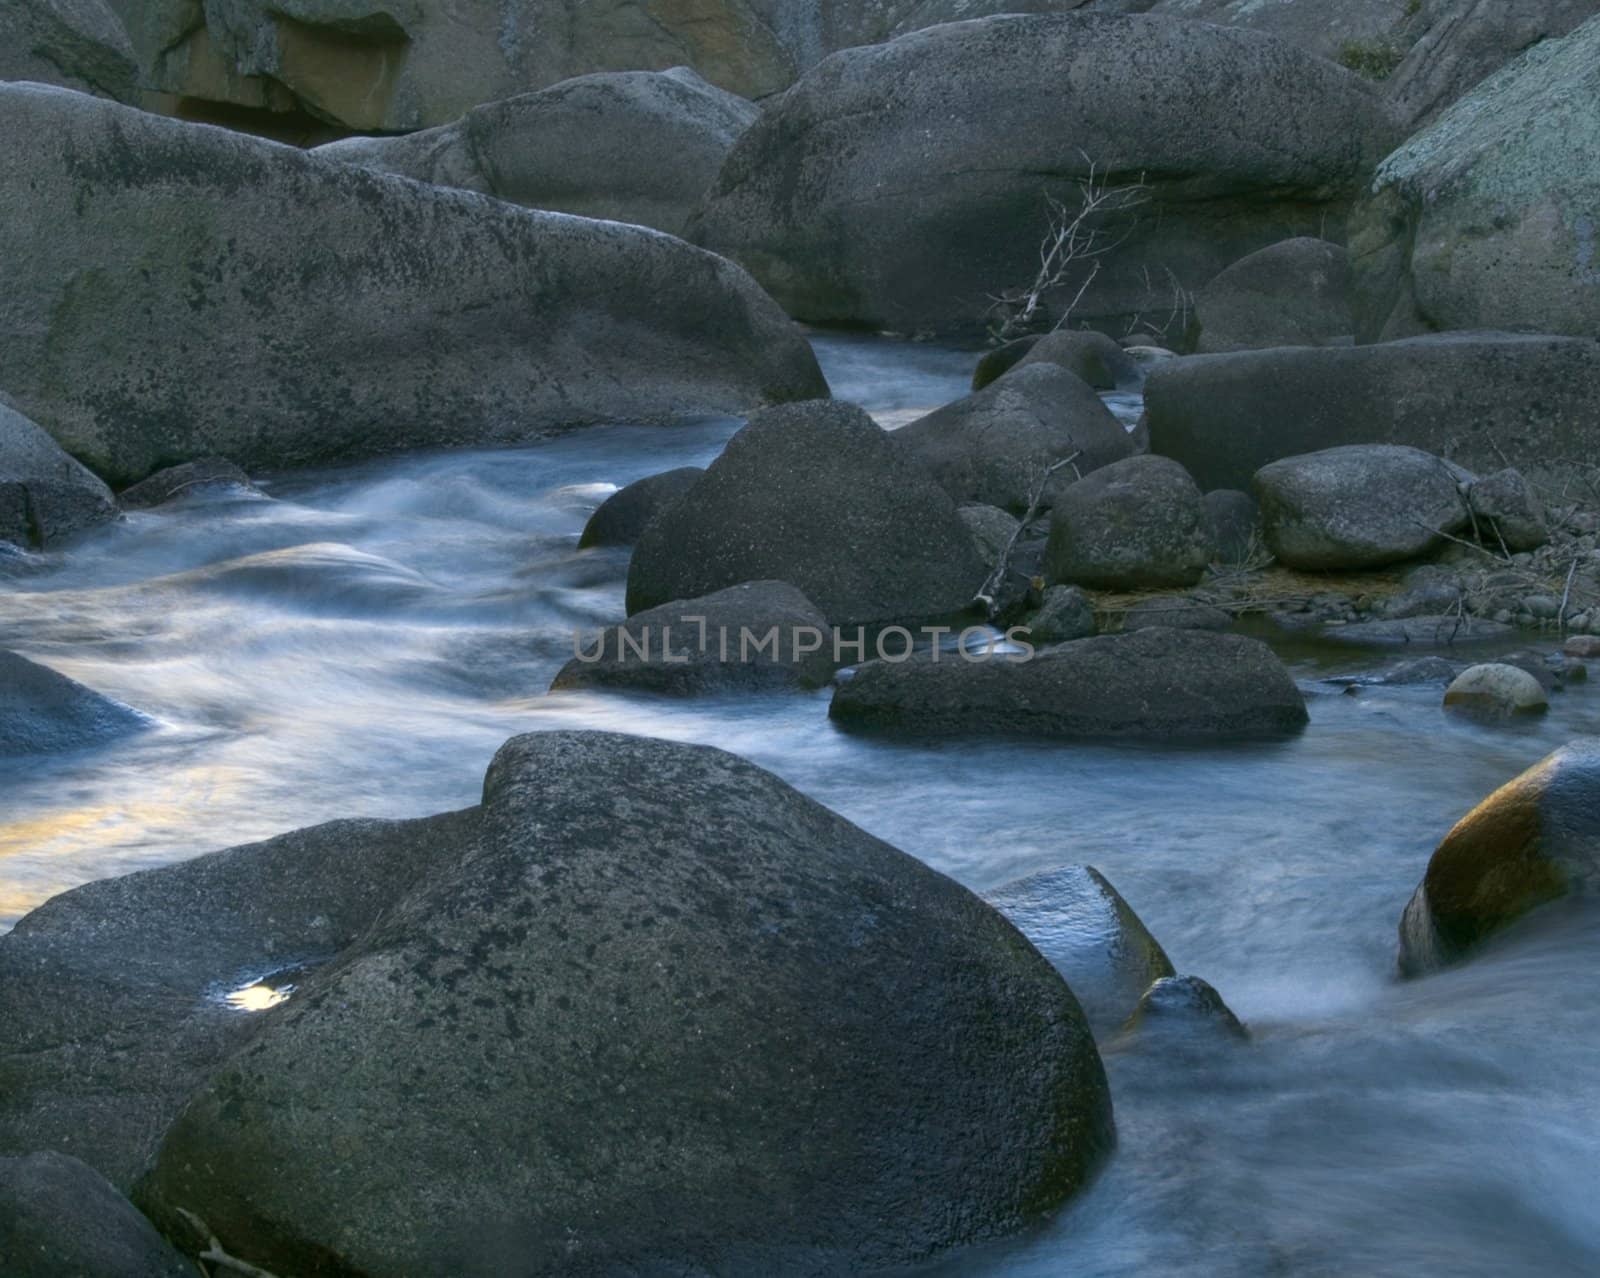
[358,641]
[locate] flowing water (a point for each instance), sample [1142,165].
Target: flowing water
[359,641]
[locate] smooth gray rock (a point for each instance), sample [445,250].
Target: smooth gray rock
[1078,921]
[1466,40]
[1065,613]
[1158,684]
[1534,840]
[632,146]
[904,185]
[1235,523]
[997,446]
[992,529]
[1184,1005]
[622,517]
[1485,219]
[44,494]
[1508,511]
[209,474]
[1002,359]
[815,495]
[59,1218]
[1469,397]
[1447,630]
[649,1009]
[364,313]
[1094,357]
[1361,506]
[1327,28]
[42,712]
[74,44]
[1137,524]
[1496,690]
[719,642]
[1294,293]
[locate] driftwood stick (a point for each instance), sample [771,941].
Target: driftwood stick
[990,590]
[216,1256]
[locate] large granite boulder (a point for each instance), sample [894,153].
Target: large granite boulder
[756,635]
[362,313]
[1136,525]
[632,146]
[42,712]
[997,446]
[1358,507]
[1534,840]
[1156,684]
[818,496]
[1333,29]
[76,44]
[647,1009]
[621,517]
[906,185]
[44,494]
[1078,921]
[1096,358]
[1479,399]
[1296,293]
[59,1218]
[1485,219]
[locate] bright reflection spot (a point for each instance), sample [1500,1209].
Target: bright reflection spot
[259,997]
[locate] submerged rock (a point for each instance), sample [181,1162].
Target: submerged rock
[1346,509]
[1138,524]
[1295,293]
[648,1008]
[44,494]
[1534,840]
[178,481]
[818,496]
[42,712]
[1078,921]
[364,313]
[1184,1005]
[1497,689]
[633,146]
[760,634]
[1161,684]
[1473,398]
[997,446]
[902,185]
[59,1218]
[622,517]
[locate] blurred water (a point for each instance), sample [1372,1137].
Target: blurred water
[361,640]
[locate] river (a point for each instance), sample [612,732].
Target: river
[359,640]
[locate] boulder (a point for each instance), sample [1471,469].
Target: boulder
[1358,507]
[1137,524]
[997,446]
[632,146]
[209,474]
[906,185]
[1586,647]
[992,529]
[1002,359]
[75,44]
[1469,397]
[1485,219]
[1155,684]
[1508,512]
[1534,840]
[815,495]
[1234,521]
[622,517]
[42,712]
[1078,921]
[1462,41]
[1175,612]
[1184,1005]
[1445,630]
[1496,690]
[1339,30]
[1065,613]
[647,1009]
[759,634]
[44,494]
[1295,293]
[1094,357]
[59,1218]
[463,321]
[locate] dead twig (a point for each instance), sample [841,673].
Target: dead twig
[989,594]
[216,1256]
